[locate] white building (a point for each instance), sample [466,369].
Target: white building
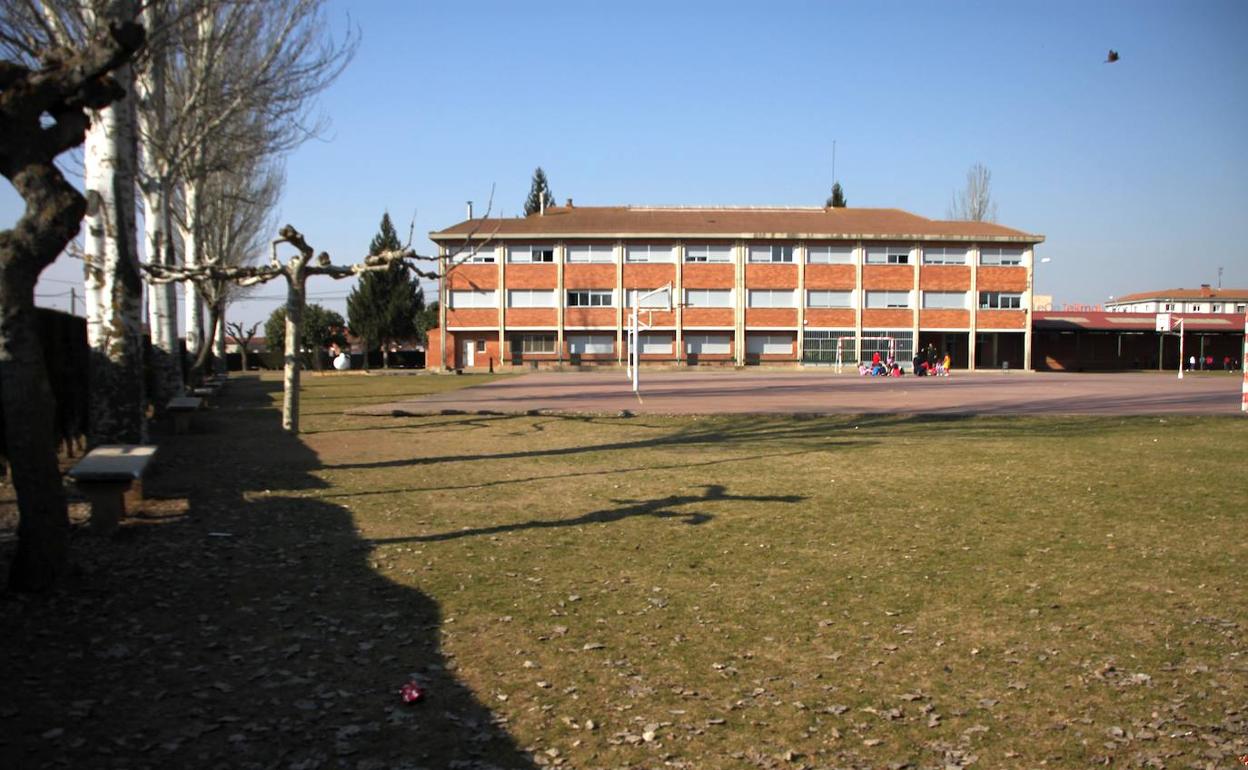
[1203,300]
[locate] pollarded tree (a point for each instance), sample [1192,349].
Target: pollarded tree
[245,336]
[43,113]
[386,306]
[540,196]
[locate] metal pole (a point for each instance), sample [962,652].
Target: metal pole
[636,348]
[1243,366]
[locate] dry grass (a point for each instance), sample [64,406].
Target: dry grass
[723,592]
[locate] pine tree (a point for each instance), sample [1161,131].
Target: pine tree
[837,199]
[385,306]
[539,192]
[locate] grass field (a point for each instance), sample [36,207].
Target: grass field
[881,591]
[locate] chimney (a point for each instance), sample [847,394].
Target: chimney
[569,203]
[541,206]
[470,209]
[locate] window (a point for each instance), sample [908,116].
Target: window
[1000,256]
[1241,308]
[533,343]
[769,344]
[1168,306]
[771,253]
[531,298]
[827,298]
[479,254]
[480,345]
[944,255]
[1000,300]
[656,344]
[709,344]
[888,255]
[819,347]
[597,252]
[708,254]
[948,300]
[830,255]
[661,300]
[466,299]
[647,253]
[582,344]
[1215,308]
[770,298]
[708,298]
[591,298]
[530,254]
[1196,309]
[887,299]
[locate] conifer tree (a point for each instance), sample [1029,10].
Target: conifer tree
[386,306]
[837,199]
[539,192]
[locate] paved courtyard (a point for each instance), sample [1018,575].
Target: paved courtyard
[720,392]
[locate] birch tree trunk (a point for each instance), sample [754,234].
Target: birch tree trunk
[190,255]
[222,363]
[113,284]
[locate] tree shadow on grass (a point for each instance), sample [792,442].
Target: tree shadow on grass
[239,627]
[659,508]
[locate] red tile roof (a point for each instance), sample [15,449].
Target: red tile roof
[670,222]
[1204,292]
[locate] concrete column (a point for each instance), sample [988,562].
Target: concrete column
[916,254]
[799,256]
[739,315]
[559,300]
[678,299]
[973,255]
[443,293]
[1030,262]
[500,256]
[859,255]
[622,297]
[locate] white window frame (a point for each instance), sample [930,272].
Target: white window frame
[657,301]
[993,300]
[649,252]
[527,346]
[521,254]
[887,255]
[773,253]
[940,255]
[589,253]
[718,344]
[703,297]
[528,296]
[770,344]
[713,253]
[463,299]
[590,344]
[593,298]
[831,254]
[770,298]
[657,343]
[823,298]
[939,300]
[481,254]
[887,300]
[1005,256]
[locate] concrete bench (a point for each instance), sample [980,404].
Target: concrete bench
[104,477]
[182,407]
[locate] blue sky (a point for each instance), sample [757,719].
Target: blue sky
[1136,172]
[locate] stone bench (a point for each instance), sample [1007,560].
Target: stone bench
[182,407]
[104,477]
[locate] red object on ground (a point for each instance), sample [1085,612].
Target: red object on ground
[412,693]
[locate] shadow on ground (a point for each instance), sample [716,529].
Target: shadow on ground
[236,623]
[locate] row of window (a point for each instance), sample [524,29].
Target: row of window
[844,254]
[655,343]
[755,298]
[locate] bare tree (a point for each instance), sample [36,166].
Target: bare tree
[244,336]
[975,203]
[44,112]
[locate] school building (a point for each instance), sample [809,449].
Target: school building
[780,286]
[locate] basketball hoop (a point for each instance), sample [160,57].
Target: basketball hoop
[659,299]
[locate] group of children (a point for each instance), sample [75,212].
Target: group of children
[924,366]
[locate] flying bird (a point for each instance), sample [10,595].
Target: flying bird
[1113,57]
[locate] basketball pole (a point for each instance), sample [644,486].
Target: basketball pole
[1243,367]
